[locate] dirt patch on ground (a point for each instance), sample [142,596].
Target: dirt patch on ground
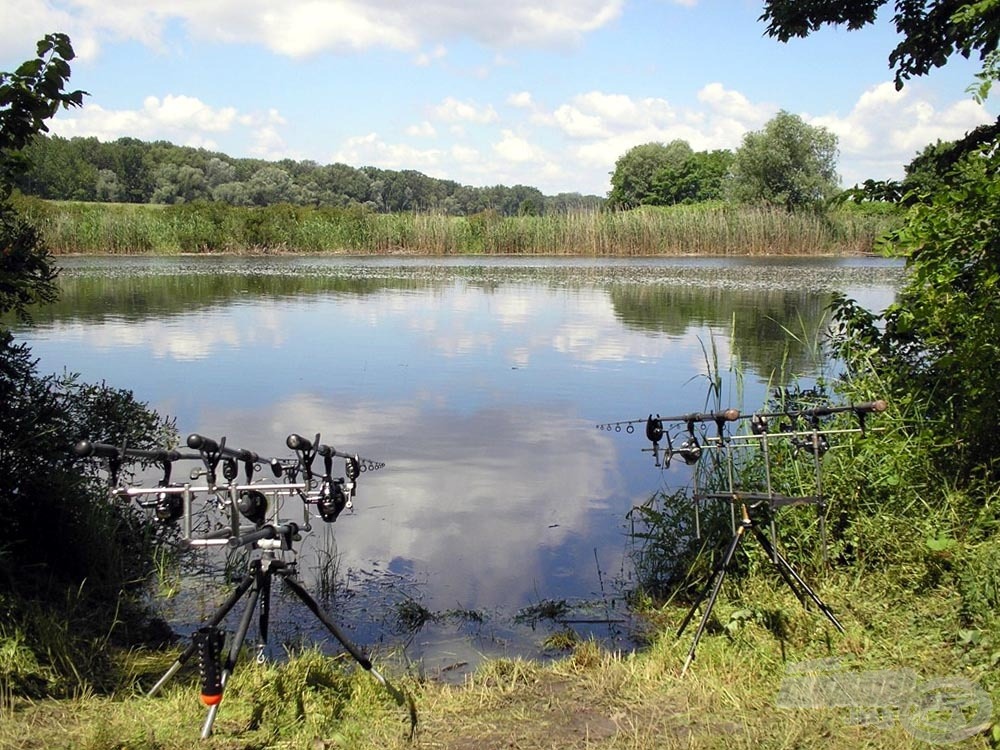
[549,710]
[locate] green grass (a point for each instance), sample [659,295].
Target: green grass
[711,229]
[730,697]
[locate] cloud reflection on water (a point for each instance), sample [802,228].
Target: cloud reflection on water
[481,398]
[467,500]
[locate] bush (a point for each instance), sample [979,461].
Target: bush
[72,563]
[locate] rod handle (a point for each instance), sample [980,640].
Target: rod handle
[298,443]
[87,448]
[202,443]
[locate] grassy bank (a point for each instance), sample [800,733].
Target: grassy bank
[744,690]
[914,580]
[716,229]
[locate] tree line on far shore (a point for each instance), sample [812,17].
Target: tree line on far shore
[789,164]
[129,170]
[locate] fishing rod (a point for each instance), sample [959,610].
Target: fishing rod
[718,417]
[170,501]
[690,449]
[307,450]
[212,452]
[261,504]
[116,456]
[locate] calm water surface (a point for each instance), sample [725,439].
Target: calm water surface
[478,382]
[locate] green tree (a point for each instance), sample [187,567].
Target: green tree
[938,342]
[69,557]
[699,177]
[931,31]
[178,184]
[28,97]
[935,348]
[57,170]
[271,185]
[636,170]
[131,163]
[218,172]
[106,187]
[789,163]
[932,168]
[234,193]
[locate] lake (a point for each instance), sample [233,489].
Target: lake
[479,382]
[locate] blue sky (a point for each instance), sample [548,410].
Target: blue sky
[548,94]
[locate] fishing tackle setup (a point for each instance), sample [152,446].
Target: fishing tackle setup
[258,516]
[803,429]
[689,448]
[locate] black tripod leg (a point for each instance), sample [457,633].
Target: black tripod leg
[720,574]
[264,620]
[236,645]
[783,569]
[324,618]
[398,695]
[215,619]
[789,574]
[719,566]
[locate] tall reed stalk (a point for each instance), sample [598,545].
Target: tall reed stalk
[715,229]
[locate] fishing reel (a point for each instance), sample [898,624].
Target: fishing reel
[335,493]
[803,427]
[241,500]
[690,449]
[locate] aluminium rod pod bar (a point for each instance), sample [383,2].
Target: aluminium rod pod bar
[766,500]
[238,501]
[176,502]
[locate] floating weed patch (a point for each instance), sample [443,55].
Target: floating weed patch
[547,609]
[411,615]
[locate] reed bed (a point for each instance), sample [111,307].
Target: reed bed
[716,229]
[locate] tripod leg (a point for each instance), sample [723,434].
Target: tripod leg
[789,574]
[720,574]
[311,603]
[234,649]
[216,618]
[719,566]
[772,553]
[398,695]
[265,609]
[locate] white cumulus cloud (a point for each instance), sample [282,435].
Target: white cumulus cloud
[177,118]
[513,147]
[886,128]
[453,110]
[299,28]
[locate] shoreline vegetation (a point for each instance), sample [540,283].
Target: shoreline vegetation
[77,228]
[771,676]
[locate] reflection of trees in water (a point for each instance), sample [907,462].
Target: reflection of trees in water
[90,298]
[758,317]
[771,328]
[103,291]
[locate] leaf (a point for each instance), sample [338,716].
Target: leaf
[969,637]
[940,543]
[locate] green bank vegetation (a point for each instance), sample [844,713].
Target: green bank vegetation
[702,229]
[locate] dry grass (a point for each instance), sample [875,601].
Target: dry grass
[591,699]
